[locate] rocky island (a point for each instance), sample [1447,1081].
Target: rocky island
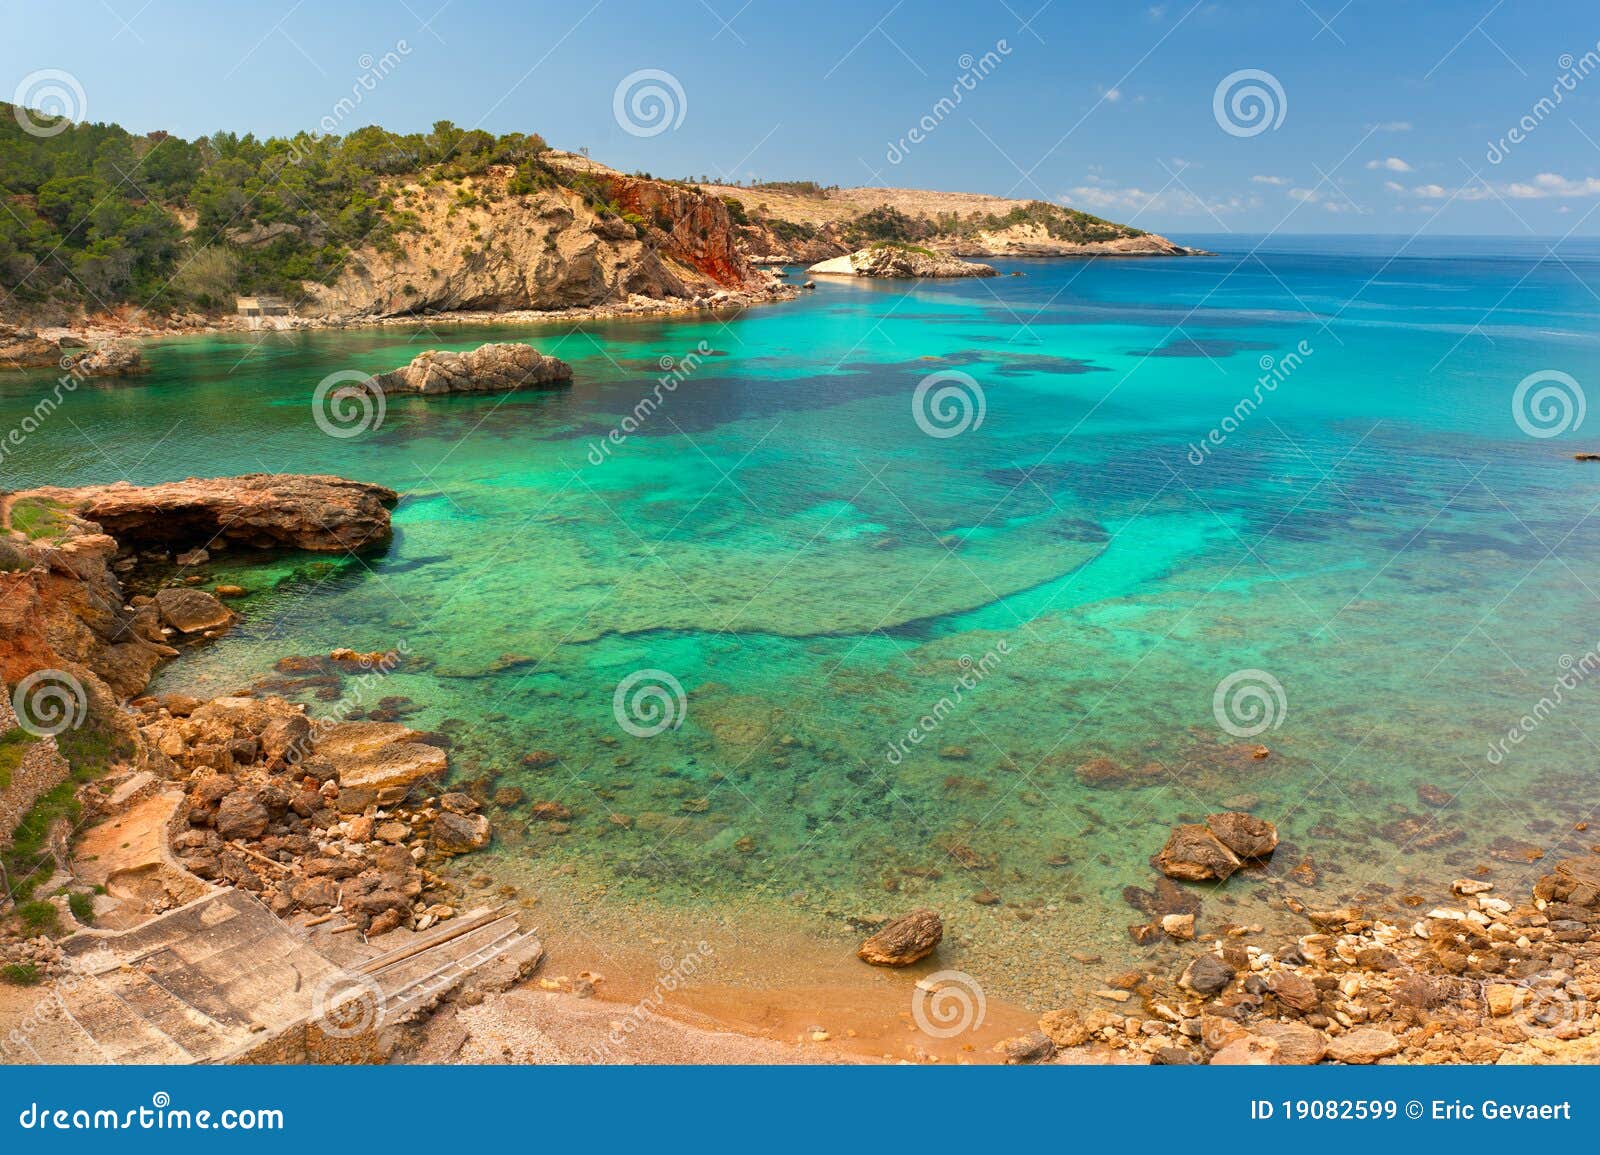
[897,261]
[493,368]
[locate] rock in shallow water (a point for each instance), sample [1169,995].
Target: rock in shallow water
[494,368]
[192,611]
[1244,834]
[905,940]
[1194,854]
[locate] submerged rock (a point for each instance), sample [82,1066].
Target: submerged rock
[494,368]
[904,940]
[192,611]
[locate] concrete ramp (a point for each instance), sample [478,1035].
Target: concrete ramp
[222,979]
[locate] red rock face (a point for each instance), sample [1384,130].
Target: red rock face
[699,232]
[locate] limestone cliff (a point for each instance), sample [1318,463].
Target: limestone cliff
[486,243]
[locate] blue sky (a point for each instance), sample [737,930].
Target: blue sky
[1381,116]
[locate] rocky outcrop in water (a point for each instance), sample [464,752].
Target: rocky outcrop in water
[1212,852]
[901,262]
[22,348]
[257,510]
[493,368]
[62,602]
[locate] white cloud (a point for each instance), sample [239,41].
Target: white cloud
[1112,95]
[1098,196]
[1392,126]
[1544,186]
[1549,184]
[1261,178]
[1391,164]
[1311,196]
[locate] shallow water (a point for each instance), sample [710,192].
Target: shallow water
[820,575]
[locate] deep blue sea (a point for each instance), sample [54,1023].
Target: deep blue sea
[907,641]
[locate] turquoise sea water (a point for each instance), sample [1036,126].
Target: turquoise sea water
[1376,545]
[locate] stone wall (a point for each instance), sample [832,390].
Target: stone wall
[41,770]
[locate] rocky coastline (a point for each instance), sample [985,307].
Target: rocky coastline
[343,822]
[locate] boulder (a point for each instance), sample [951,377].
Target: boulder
[904,940]
[460,833]
[287,739]
[1363,1045]
[378,763]
[1207,975]
[493,368]
[115,359]
[1295,991]
[1247,1051]
[192,611]
[1244,834]
[1298,1045]
[241,814]
[1194,854]
[1033,1047]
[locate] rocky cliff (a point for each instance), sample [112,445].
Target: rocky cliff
[62,603]
[802,223]
[487,243]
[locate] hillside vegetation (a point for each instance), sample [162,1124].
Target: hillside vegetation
[98,216]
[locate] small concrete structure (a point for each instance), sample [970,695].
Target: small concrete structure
[263,307]
[265,312]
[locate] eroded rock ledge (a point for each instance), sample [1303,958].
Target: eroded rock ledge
[62,602]
[257,510]
[494,368]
